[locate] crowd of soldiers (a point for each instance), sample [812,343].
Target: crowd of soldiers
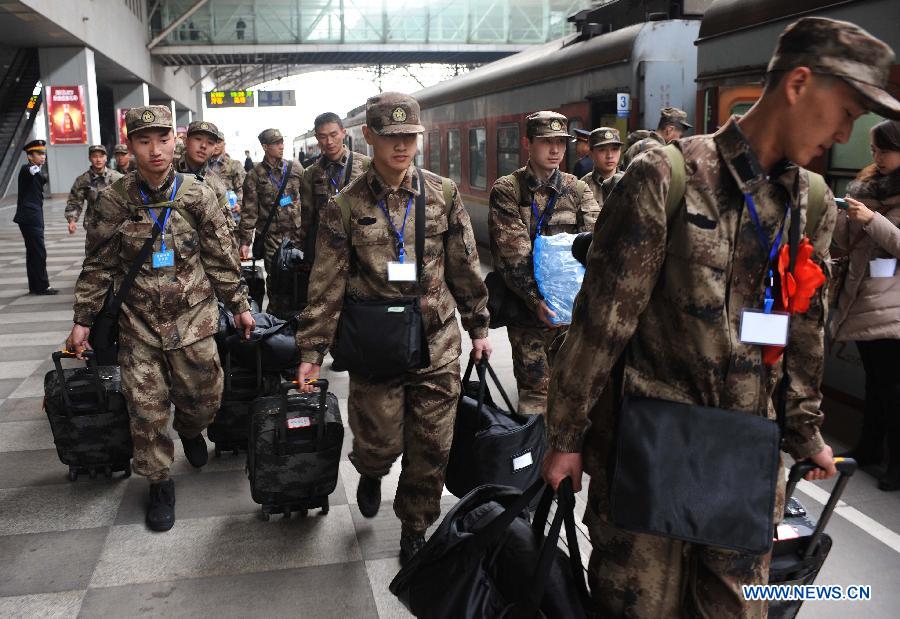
[662,297]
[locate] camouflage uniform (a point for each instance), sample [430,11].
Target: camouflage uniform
[600,187]
[512,224]
[231,172]
[667,116]
[414,413]
[322,180]
[170,315]
[260,189]
[87,188]
[123,149]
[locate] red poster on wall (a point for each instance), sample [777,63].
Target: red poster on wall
[123,131]
[65,111]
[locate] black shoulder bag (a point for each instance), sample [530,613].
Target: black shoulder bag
[383,338]
[696,473]
[259,241]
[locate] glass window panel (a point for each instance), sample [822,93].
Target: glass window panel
[507,149]
[434,151]
[454,156]
[856,153]
[478,158]
[420,150]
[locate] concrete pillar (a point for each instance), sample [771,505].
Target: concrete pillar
[127,95]
[70,66]
[183,118]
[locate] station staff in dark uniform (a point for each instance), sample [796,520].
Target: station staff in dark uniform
[30,217]
[585,164]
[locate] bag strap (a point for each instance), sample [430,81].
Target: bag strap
[447,187]
[185,182]
[113,309]
[498,526]
[348,169]
[676,182]
[274,208]
[420,225]
[483,367]
[580,186]
[815,205]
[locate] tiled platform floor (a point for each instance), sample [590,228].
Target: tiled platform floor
[81,549]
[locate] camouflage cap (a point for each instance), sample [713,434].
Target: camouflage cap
[121,149]
[605,135]
[179,147]
[148,117]
[96,148]
[221,136]
[393,113]
[270,136]
[673,115]
[203,126]
[842,49]
[546,125]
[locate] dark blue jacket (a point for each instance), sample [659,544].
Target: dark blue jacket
[30,202]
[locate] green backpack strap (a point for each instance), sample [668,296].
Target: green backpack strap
[580,186]
[677,181]
[341,201]
[815,205]
[187,182]
[447,186]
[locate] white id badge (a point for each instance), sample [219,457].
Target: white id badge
[401,271]
[882,267]
[757,327]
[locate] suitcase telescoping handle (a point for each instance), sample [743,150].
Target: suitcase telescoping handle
[95,374]
[846,468]
[286,387]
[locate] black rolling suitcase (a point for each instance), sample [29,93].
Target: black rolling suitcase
[256,282]
[294,450]
[88,417]
[799,553]
[230,429]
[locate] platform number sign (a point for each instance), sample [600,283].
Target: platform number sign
[623,104]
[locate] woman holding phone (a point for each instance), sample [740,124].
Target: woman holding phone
[868,306]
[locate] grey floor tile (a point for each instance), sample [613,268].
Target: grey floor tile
[82,505]
[55,338]
[886,511]
[338,590]
[40,467]
[25,435]
[31,387]
[32,352]
[20,368]
[381,572]
[49,562]
[59,328]
[22,409]
[63,605]
[225,545]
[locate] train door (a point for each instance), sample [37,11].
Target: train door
[661,84]
[604,114]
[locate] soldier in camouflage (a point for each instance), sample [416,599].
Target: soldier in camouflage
[536,199]
[124,163]
[229,170]
[412,414]
[167,322]
[335,168]
[199,145]
[87,186]
[672,125]
[271,215]
[667,299]
[606,148]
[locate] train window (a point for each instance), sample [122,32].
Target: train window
[434,151]
[507,149]
[571,157]
[478,158]
[856,153]
[454,156]
[420,151]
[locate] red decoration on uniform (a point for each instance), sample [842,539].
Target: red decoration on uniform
[797,288]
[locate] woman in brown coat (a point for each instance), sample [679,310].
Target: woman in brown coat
[868,310]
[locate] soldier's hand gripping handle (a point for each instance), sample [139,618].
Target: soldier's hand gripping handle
[307,375]
[245,252]
[245,322]
[78,340]
[560,464]
[481,348]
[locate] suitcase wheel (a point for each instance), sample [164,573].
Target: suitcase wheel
[303,513]
[264,516]
[127,472]
[236,451]
[287,513]
[325,507]
[73,473]
[217,452]
[92,473]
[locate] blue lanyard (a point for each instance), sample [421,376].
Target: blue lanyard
[398,233]
[340,178]
[272,178]
[769,301]
[540,218]
[162,226]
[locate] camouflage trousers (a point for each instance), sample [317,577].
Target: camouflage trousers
[152,380]
[637,575]
[531,356]
[412,415]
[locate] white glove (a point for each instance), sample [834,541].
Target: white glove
[34,169]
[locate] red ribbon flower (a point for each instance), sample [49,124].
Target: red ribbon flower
[797,288]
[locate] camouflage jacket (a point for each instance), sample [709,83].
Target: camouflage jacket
[670,298]
[654,140]
[87,188]
[171,307]
[322,180]
[210,178]
[260,189]
[512,224]
[231,172]
[452,274]
[599,187]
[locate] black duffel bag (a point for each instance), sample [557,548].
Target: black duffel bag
[505,306]
[287,264]
[485,560]
[492,445]
[276,339]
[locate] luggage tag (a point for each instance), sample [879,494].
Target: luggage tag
[285,201]
[295,423]
[764,328]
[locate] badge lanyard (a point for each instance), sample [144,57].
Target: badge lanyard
[272,178]
[540,218]
[336,183]
[398,233]
[769,301]
[162,226]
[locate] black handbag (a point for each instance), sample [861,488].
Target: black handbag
[383,338]
[485,560]
[258,250]
[275,339]
[492,445]
[506,308]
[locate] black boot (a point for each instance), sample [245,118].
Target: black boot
[890,480]
[410,544]
[195,450]
[161,511]
[368,496]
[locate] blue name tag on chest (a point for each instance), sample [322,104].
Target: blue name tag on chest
[285,201]
[163,259]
